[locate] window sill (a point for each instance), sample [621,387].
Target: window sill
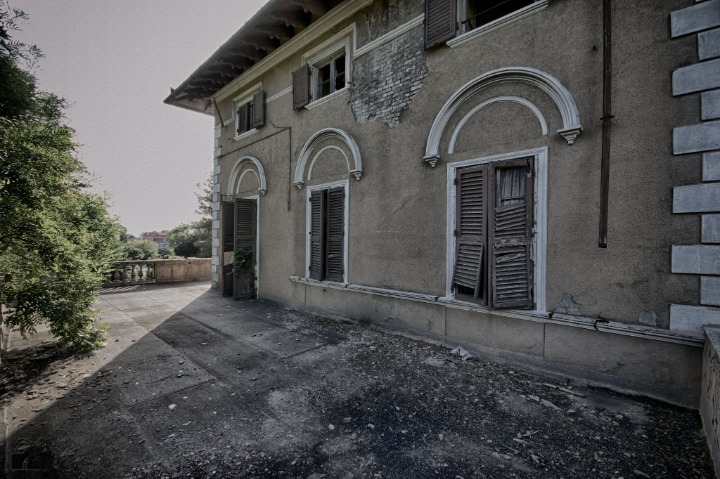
[244,135]
[500,22]
[327,98]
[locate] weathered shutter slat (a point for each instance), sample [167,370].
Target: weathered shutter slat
[440,21]
[245,235]
[301,87]
[335,234]
[228,225]
[258,119]
[511,240]
[317,232]
[242,117]
[470,226]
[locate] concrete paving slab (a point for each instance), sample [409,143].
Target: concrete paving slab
[361,404]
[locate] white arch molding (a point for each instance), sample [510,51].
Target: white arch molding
[530,76]
[355,169]
[498,99]
[259,171]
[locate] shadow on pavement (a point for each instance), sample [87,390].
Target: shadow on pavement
[192,384]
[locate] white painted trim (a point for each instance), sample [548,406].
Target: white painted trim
[345,38]
[342,92]
[346,256]
[244,134]
[581,322]
[242,175]
[498,99]
[544,81]
[279,94]
[329,147]
[539,246]
[247,95]
[500,22]
[389,36]
[257,238]
[307,150]
[234,182]
[294,45]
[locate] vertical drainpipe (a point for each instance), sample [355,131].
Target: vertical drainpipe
[607,116]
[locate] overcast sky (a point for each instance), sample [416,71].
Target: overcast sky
[115,61]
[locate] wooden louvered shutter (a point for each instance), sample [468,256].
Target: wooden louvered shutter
[335,234]
[470,230]
[245,236]
[301,87]
[258,119]
[228,225]
[242,116]
[440,21]
[317,235]
[511,238]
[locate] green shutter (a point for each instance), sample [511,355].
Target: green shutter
[258,119]
[334,259]
[317,235]
[470,230]
[440,21]
[511,240]
[245,242]
[301,87]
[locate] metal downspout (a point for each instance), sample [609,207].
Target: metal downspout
[606,123]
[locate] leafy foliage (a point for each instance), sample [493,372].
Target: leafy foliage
[55,238]
[140,250]
[10,19]
[195,239]
[192,239]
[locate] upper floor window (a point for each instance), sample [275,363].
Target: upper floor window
[249,112]
[329,76]
[326,71]
[446,19]
[474,13]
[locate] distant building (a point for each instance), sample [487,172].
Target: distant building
[159,238]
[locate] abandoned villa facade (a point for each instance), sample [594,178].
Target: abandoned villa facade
[534,180]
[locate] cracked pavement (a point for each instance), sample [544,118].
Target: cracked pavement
[192,384]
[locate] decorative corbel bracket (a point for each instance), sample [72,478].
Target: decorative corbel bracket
[431,160]
[570,134]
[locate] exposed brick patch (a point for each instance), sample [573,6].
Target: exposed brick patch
[387,79]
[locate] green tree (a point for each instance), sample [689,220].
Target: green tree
[191,239]
[140,249]
[195,239]
[55,238]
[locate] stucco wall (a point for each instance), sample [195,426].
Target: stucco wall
[398,209]
[190,269]
[710,396]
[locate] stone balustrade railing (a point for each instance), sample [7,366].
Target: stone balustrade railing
[158,271]
[130,272]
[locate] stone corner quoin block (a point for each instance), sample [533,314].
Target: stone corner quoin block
[710,290]
[710,104]
[697,77]
[695,18]
[709,44]
[700,198]
[696,138]
[690,320]
[696,259]
[710,228]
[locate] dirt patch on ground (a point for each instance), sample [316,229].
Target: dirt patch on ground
[355,403]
